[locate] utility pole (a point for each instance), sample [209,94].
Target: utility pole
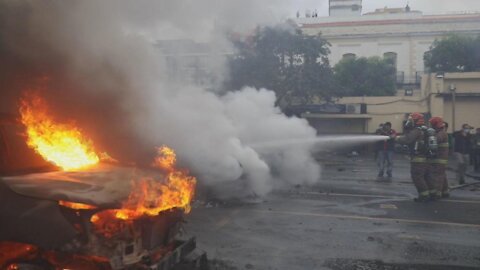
[453,89]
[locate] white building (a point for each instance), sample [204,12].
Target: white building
[402,34]
[345,8]
[187,61]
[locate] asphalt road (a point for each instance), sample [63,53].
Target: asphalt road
[349,220]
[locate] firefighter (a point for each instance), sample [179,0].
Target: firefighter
[438,164]
[415,138]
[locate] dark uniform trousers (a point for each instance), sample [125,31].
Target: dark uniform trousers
[418,166]
[419,169]
[437,175]
[437,178]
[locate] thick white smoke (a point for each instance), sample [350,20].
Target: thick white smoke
[214,135]
[107,47]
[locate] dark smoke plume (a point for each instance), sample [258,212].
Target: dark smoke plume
[95,62]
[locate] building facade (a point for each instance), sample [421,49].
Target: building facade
[187,61]
[401,34]
[435,98]
[440,90]
[342,8]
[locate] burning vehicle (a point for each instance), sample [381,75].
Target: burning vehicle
[66,206]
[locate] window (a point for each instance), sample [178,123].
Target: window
[349,56]
[391,56]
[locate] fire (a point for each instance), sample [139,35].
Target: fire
[76,206]
[150,196]
[65,146]
[12,253]
[61,144]
[166,159]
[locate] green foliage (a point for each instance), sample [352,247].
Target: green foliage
[455,53]
[372,76]
[284,60]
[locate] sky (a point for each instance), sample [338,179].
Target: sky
[427,6]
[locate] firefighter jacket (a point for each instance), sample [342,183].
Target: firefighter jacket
[415,139]
[442,152]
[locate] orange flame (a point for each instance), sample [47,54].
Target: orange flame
[151,196]
[77,206]
[61,144]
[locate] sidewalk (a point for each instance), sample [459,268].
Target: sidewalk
[470,171]
[473,174]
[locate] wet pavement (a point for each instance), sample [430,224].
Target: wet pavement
[349,220]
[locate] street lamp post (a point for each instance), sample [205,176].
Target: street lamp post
[453,89]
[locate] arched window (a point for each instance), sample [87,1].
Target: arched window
[392,56]
[349,56]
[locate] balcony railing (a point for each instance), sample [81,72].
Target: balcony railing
[402,79]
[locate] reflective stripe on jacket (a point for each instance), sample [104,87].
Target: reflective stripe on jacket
[411,138]
[442,152]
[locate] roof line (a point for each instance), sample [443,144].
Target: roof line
[396,21]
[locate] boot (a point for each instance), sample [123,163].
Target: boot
[435,196]
[423,197]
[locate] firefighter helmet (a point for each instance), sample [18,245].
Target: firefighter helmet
[437,122]
[418,119]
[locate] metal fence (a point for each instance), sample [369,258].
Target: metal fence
[402,79]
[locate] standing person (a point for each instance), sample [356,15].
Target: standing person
[471,148]
[385,150]
[438,164]
[378,145]
[450,137]
[415,138]
[380,127]
[445,187]
[462,139]
[476,150]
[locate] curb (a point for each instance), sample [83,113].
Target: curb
[474,176]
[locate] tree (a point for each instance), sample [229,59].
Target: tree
[454,53]
[373,76]
[284,60]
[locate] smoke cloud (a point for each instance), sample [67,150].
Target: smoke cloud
[95,62]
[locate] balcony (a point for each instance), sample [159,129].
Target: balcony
[401,79]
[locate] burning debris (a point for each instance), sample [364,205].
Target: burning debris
[104,72]
[177,192]
[137,231]
[77,206]
[65,146]
[150,196]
